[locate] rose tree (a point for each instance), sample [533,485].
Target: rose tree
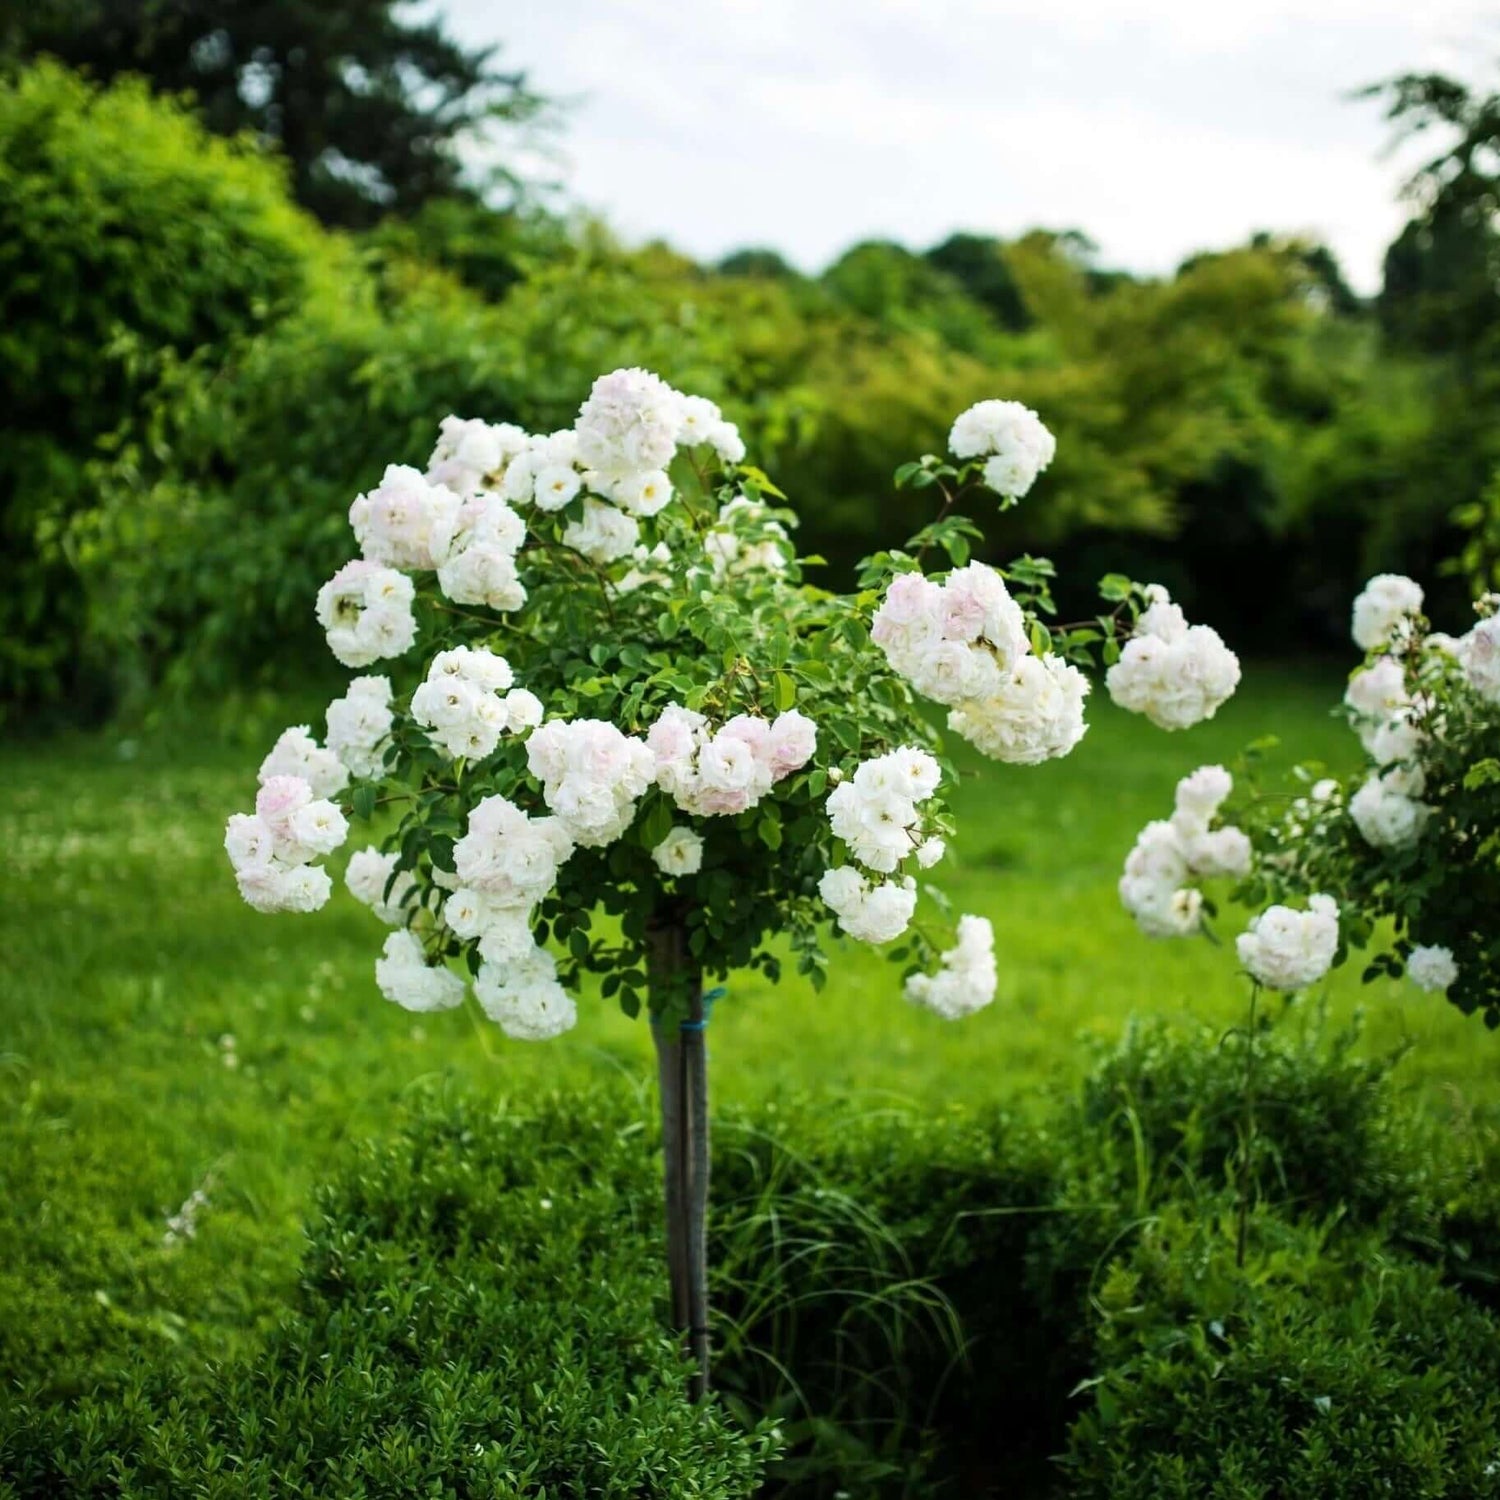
[1404,854]
[636,748]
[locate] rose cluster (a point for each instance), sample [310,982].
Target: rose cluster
[1384,602]
[272,849]
[476,556]
[725,771]
[464,531]
[966,981]
[506,862]
[592,776]
[1175,673]
[297,753]
[366,612]
[1386,809]
[1155,887]
[405,977]
[877,912]
[1012,440]
[359,727]
[745,539]
[468,702]
[471,456]
[964,643]
[525,998]
[457,520]
[877,814]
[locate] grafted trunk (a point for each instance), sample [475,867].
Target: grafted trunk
[682,1076]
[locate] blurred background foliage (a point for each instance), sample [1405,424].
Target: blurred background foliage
[247,258]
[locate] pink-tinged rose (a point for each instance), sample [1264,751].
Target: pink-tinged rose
[794,738]
[279,798]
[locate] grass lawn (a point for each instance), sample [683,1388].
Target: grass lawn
[157,1036]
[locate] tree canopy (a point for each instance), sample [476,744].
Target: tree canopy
[368,104]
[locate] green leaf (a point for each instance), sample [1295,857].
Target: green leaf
[657,823]
[784,692]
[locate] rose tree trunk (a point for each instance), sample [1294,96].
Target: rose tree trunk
[678,1021]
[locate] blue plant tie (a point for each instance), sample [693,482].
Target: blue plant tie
[708,1005]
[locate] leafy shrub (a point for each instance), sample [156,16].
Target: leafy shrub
[1170,1107]
[125,230]
[1329,1370]
[917,1299]
[924,1303]
[204,564]
[478,1316]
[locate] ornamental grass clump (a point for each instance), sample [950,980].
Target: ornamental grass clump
[608,691]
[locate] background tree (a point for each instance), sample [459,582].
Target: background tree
[1441,273]
[977,262]
[368,104]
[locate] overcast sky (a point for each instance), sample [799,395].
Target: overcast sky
[1159,127]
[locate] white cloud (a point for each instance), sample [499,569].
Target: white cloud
[1158,127]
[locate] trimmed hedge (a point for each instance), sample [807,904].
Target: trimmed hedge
[1324,1369]
[479,1316]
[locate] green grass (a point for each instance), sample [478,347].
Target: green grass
[130,961]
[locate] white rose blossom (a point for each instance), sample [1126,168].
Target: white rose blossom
[1385,815]
[464,704]
[1285,949]
[1034,715]
[1431,968]
[359,726]
[1155,887]
[406,978]
[272,850]
[876,812]
[523,997]
[1174,673]
[875,914]
[592,776]
[471,455]
[1384,602]
[1011,438]
[679,853]
[397,523]
[718,773]
[297,753]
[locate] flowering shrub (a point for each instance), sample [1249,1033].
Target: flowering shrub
[642,746]
[1402,855]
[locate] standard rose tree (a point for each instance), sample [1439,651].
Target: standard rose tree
[624,746]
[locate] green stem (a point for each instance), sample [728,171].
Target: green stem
[1247,1132]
